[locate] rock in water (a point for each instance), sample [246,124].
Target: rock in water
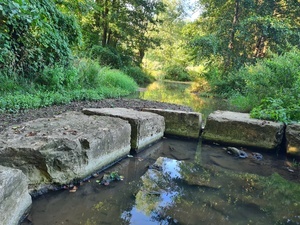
[236,152]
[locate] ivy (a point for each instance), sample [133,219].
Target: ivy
[34,34]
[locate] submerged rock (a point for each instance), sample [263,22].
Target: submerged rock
[216,196]
[257,156]
[236,152]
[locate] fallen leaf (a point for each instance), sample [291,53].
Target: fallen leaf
[30,134]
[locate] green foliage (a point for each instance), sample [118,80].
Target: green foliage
[106,56]
[235,33]
[8,84]
[88,72]
[33,35]
[177,73]
[117,79]
[122,25]
[271,88]
[271,109]
[86,80]
[138,75]
[203,46]
[58,78]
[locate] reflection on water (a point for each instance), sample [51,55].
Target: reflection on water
[180,93]
[206,194]
[180,182]
[207,187]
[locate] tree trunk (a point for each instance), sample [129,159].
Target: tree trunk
[260,47]
[105,23]
[234,23]
[231,46]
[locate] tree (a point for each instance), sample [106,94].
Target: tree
[245,30]
[171,53]
[34,34]
[123,25]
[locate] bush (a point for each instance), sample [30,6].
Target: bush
[35,34]
[117,79]
[106,56]
[138,75]
[177,73]
[86,81]
[8,84]
[272,86]
[58,78]
[88,73]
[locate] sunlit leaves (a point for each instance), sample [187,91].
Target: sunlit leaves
[34,34]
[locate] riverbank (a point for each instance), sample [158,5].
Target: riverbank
[8,119]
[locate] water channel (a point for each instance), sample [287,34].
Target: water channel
[180,182]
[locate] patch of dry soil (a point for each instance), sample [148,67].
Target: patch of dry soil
[8,119]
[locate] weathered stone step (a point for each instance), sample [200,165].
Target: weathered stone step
[232,128]
[14,196]
[292,135]
[146,127]
[180,123]
[66,147]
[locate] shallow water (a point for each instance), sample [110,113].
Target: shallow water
[180,93]
[190,195]
[200,184]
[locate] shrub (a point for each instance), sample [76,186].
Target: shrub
[177,73]
[138,75]
[52,78]
[273,86]
[117,79]
[8,84]
[58,85]
[88,73]
[106,56]
[35,34]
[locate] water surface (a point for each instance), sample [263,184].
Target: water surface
[192,183]
[200,184]
[180,93]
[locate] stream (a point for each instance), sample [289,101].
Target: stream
[180,182]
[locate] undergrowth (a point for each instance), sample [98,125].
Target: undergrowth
[85,80]
[270,89]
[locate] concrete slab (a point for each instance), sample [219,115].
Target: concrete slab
[238,129]
[180,123]
[146,127]
[67,147]
[292,134]
[15,200]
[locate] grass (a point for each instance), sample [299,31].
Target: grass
[86,80]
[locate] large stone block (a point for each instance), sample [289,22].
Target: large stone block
[293,139]
[14,196]
[232,128]
[180,123]
[63,148]
[146,127]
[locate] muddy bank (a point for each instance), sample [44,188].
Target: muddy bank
[7,119]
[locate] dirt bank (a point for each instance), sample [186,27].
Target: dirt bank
[7,119]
